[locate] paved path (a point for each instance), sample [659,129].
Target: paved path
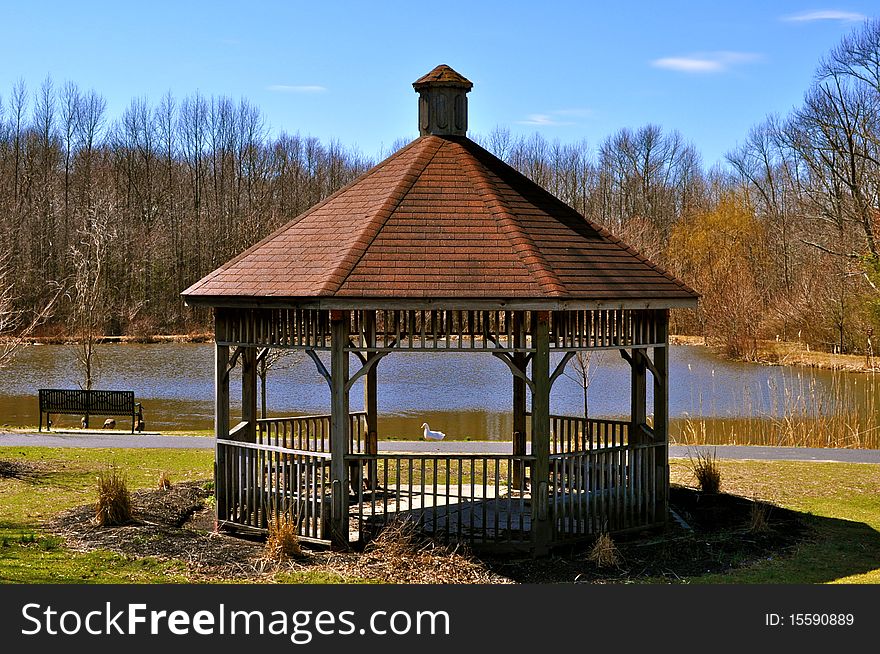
[465,447]
[44,439]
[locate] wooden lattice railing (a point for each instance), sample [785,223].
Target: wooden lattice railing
[310,433]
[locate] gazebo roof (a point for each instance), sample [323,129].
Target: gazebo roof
[441,219]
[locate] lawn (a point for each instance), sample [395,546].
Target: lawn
[56,479]
[842,505]
[840,502]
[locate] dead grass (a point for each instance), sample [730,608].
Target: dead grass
[707,472]
[401,554]
[797,354]
[113,506]
[164,483]
[759,517]
[604,552]
[282,544]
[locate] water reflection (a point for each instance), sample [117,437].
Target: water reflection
[465,395]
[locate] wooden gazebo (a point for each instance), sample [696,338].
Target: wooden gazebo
[442,247]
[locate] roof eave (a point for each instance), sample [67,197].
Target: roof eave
[441,303]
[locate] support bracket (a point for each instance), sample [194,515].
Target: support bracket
[233,360]
[648,363]
[322,369]
[368,364]
[560,367]
[506,358]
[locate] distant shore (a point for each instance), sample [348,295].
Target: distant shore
[196,337]
[789,353]
[773,353]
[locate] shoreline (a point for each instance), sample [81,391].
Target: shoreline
[788,353]
[770,353]
[197,337]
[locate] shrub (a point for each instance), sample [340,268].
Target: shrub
[604,552]
[282,542]
[707,472]
[113,506]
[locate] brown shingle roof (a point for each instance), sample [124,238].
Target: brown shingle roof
[441,219]
[442,75]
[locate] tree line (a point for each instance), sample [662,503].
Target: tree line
[123,214]
[127,213]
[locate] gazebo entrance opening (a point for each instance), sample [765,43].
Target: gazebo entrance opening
[564,479]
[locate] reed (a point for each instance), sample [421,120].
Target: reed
[798,412]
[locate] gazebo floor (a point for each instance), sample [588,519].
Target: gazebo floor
[483,518]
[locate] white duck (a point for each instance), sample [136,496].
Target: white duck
[432,435]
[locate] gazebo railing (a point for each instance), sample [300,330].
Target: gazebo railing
[607,489]
[255,482]
[599,481]
[310,433]
[573,434]
[451,497]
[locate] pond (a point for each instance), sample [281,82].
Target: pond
[468,396]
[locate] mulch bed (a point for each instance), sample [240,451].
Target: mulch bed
[714,535]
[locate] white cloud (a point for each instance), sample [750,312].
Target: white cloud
[303,88]
[555,118]
[826,14]
[706,62]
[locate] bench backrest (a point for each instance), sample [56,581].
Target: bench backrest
[54,400]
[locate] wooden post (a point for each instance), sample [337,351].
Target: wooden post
[519,399]
[639,395]
[519,469]
[371,444]
[221,415]
[339,429]
[661,414]
[249,393]
[542,514]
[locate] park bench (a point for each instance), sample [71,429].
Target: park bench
[88,403]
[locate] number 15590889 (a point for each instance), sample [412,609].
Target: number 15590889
[809,620]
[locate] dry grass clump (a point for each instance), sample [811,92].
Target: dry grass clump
[282,544]
[401,554]
[604,552]
[164,483]
[113,506]
[759,518]
[707,472]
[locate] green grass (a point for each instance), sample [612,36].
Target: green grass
[841,503]
[67,478]
[33,429]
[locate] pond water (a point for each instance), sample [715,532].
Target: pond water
[466,395]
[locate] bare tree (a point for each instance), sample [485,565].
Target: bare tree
[89,309]
[16,326]
[582,369]
[269,359]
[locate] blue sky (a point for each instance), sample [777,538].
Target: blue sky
[570,70]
